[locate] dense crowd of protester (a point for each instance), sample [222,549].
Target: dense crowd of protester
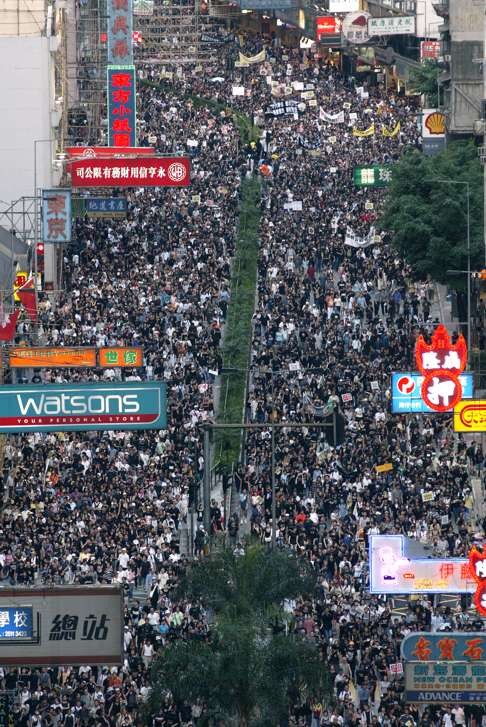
[331,320]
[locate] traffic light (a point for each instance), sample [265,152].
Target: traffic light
[40,257]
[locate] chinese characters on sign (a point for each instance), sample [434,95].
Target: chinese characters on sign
[447,646]
[16,622]
[477,567]
[106,206]
[377,176]
[355,27]
[406,387]
[470,416]
[327,25]
[65,628]
[120,38]
[121,106]
[120,357]
[392,25]
[429,49]
[65,357]
[441,362]
[56,215]
[146,172]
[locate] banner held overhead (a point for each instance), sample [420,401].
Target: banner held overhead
[82,407]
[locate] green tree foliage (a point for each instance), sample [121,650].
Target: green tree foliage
[428,218]
[424,80]
[250,670]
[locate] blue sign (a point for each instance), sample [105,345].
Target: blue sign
[120,32]
[56,215]
[82,407]
[106,206]
[406,395]
[16,622]
[445,646]
[122,120]
[440,696]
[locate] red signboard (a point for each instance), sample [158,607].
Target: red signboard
[477,568]
[122,119]
[145,172]
[441,362]
[328,25]
[107,152]
[429,49]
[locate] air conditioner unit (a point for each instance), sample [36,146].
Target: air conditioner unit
[447,58]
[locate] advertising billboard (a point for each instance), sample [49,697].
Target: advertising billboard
[395,569]
[443,682]
[122,119]
[470,416]
[444,646]
[406,389]
[429,49]
[375,176]
[327,25]
[82,407]
[20,357]
[68,625]
[119,357]
[56,215]
[144,172]
[433,131]
[106,207]
[16,622]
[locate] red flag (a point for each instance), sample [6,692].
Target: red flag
[8,326]
[27,297]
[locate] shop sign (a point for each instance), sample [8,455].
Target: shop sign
[16,623]
[82,407]
[120,32]
[106,206]
[121,106]
[442,682]
[429,49]
[21,277]
[406,389]
[355,27]
[376,176]
[392,25]
[470,416]
[441,362]
[444,646]
[144,172]
[56,215]
[328,25]
[119,357]
[394,570]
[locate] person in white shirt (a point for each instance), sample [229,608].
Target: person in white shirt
[459,716]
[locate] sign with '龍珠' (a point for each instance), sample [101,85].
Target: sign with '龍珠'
[56,215]
[121,106]
[376,176]
[82,407]
[16,623]
[61,625]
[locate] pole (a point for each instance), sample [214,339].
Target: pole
[207,481]
[274,503]
[484,132]
[468,274]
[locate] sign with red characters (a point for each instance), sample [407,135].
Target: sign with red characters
[441,362]
[143,172]
[477,568]
[121,106]
[327,25]
[107,152]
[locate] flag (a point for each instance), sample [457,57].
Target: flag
[8,325]
[28,299]
[394,132]
[366,132]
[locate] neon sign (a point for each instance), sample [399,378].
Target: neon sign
[441,362]
[477,568]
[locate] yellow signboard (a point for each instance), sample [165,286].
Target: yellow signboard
[21,277]
[470,416]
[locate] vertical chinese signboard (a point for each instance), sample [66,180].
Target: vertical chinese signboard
[121,106]
[120,32]
[56,215]
[69,625]
[441,362]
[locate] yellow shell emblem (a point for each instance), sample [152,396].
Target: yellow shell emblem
[435,123]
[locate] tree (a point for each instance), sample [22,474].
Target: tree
[424,80]
[250,670]
[428,218]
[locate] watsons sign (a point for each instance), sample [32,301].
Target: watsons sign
[78,407]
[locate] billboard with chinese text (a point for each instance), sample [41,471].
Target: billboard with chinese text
[442,682]
[470,416]
[394,569]
[121,106]
[26,357]
[82,407]
[119,357]
[120,32]
[69,625]
[56,215]
[16,623]
[106,206]
[406,392]
[374,176]
[144,172]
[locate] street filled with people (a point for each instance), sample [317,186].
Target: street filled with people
[332,320]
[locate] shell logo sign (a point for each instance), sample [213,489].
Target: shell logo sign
[433,124]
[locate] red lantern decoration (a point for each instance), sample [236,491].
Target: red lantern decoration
[441,362]
[477,569]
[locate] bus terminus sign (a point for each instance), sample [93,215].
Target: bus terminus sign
[78,407]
